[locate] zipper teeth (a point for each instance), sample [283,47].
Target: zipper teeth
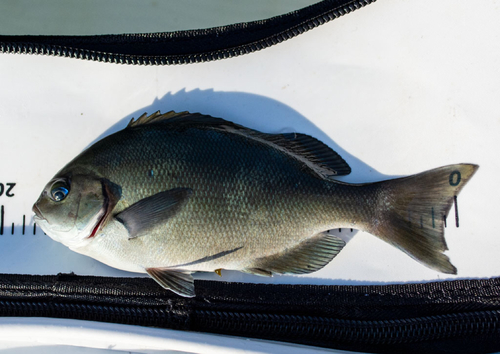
[69,52]
[132,315]
[323,330]
[301,329]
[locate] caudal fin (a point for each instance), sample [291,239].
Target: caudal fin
[413,211]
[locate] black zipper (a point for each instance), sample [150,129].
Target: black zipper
[398,335]
[444,317]
[184,47]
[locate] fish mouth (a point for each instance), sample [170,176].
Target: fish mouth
[38,213]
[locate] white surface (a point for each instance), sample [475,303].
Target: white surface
[396,88]
[50,335]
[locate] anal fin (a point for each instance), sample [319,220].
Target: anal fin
[307,257]
[179,282]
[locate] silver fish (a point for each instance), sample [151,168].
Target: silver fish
[176,193]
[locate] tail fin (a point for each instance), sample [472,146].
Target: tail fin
[415,211]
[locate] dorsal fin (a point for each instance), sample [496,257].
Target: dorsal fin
[321,159]
[157,117]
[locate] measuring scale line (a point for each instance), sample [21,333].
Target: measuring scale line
[4,224]
[1,220]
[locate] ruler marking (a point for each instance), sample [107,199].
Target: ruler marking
[456,211]
[1,220]
[34,228]
[24,223]
[12,231]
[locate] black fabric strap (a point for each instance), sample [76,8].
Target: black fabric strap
[443,317]
[183,47]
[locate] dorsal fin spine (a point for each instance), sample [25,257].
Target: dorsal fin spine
[156,117]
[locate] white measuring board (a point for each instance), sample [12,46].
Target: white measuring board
[394,88]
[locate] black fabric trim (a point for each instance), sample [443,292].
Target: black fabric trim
[183,47]
[443,317]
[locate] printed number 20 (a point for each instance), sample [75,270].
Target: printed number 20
[7,188]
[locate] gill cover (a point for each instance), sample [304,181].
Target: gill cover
[71,207]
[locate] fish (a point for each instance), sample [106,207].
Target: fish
[177,193]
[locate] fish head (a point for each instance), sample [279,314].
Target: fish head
[72,208]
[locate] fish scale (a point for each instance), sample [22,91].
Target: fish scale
[177,193]
[208,209]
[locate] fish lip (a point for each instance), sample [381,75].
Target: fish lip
[38,212]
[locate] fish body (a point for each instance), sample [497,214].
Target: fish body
[177,193]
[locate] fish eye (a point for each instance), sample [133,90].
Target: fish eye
[59,191]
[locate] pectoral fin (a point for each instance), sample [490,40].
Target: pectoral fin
[307,257]
[142,216]
[177,281]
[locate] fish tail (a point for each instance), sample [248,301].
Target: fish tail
[411,212]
